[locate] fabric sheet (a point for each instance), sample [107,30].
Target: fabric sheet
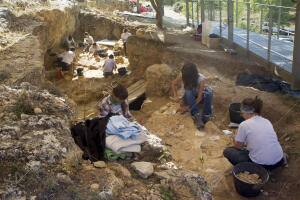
[119,145]
[120,126]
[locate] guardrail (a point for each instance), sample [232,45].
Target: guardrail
[237,13]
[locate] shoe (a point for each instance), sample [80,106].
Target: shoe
[198,121]
[205,118]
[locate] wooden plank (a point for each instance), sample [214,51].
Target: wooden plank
[136,90]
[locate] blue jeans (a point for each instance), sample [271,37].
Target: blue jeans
[190,97]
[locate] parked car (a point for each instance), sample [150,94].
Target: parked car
[286,31]
[265,28]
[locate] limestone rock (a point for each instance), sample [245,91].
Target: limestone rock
[37,110]
[33,165]
[121,170]
[180,180]
[64,178]
[159,79]
[95,186]
[144,169]
[140,31]
[99,164]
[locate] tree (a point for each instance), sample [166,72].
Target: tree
[158,7]
[138,6]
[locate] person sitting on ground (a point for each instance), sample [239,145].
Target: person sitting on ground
[66,59]
[70,42]
[258,136]
[124,36]
[95,49]
[116,103]
[143,9]
[194,92]
[109,66]
[88,40]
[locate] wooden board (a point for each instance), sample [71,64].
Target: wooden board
[136,90]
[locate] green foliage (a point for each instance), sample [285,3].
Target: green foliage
[167,194]
[23,105]
[178,7]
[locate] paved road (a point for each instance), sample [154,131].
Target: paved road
[281,51]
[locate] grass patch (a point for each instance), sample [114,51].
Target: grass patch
[167,193]
[23,105]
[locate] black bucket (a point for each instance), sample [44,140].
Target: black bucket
[235,113]
[117,53]
[122,71]
[249,189]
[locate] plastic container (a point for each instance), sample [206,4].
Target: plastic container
[249,189]
[235,113]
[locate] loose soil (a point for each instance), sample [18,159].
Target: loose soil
[203,151]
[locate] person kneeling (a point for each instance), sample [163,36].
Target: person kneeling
[194,92]
[258,136]
[109,66]
[116,103]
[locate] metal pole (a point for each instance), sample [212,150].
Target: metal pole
[278,22]
[270,32]
[296,56]
[213,10]
[193,13]
[220,3]
[261,15]
[248,25]
[230,22]
[197,13]
[187,12]
[237,13]
[202,12]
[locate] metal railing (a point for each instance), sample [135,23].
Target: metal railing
[237,14]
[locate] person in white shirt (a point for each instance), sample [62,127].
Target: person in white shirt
[109,66]
[95,49]
[88,40]
[124,36]
[258,136]
[66,59]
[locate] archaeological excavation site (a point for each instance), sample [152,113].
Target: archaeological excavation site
[149,100]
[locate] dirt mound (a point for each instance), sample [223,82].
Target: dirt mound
[159,78]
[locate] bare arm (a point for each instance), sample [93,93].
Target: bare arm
[200,92]
[176,82]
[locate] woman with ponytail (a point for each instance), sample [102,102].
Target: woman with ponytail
[256,141]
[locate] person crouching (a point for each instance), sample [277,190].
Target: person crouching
[116,102]
[109,66]
[65,60]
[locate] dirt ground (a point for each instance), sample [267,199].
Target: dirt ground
[202,151]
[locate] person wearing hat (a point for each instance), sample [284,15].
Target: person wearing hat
[256,141]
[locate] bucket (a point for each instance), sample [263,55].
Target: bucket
[235,113]
[249,189]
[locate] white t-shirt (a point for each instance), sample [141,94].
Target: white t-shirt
[109,65]
[200,78]
[93,48]
[261,140]
[70,41]
[89,40]
[125,36]
[67,57]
